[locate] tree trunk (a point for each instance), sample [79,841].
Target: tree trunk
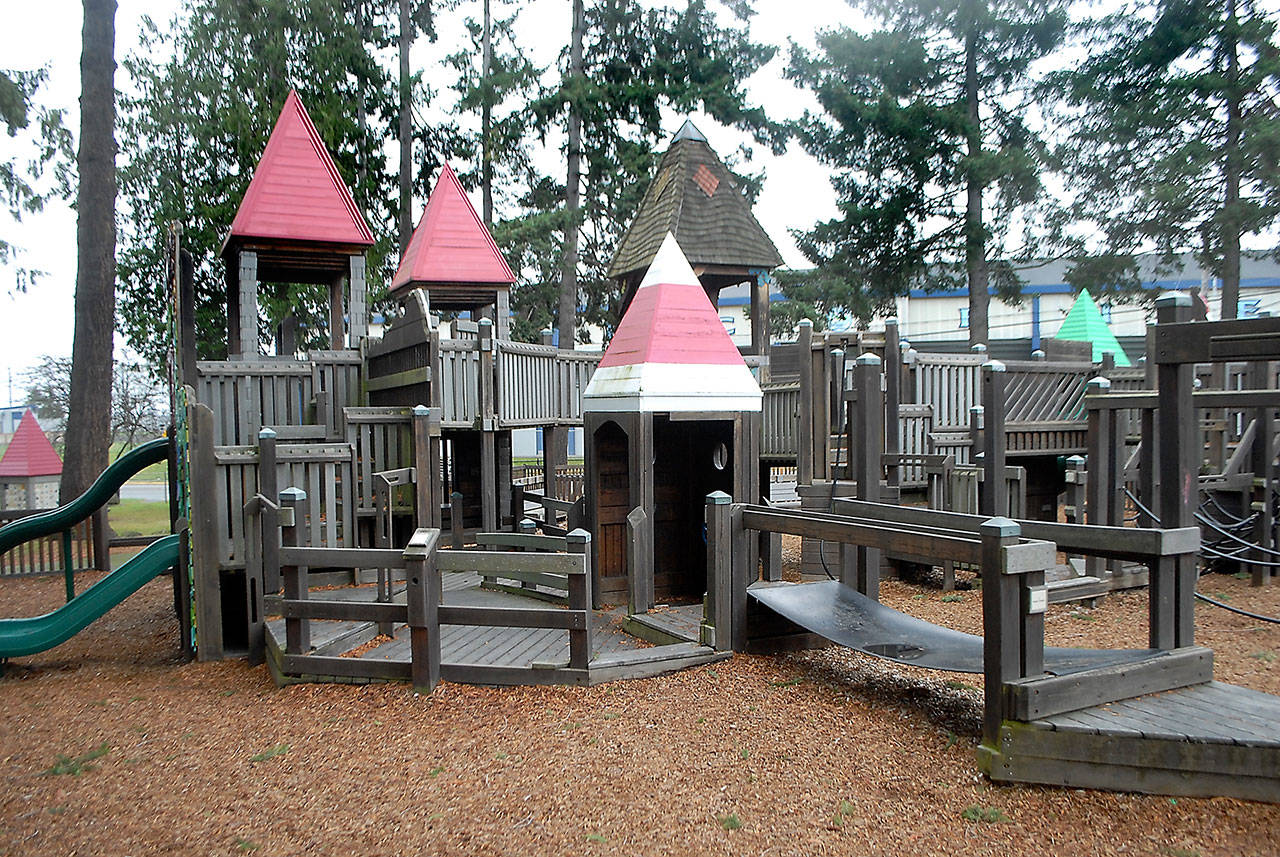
[569,272]
[88,436]
[406,131]
[975,249]
[486,118]
[1230,224]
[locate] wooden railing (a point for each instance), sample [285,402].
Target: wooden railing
[45,555]
[424,612]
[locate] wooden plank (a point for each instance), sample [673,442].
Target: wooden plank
[504,675]
[335,557]
[837,528]
[1035,698]
[324,666]
[357,611]
[490,562]
[514,617]
[527,541]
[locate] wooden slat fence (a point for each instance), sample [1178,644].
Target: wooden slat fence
[948,382]
[245,395]
[380,439]
[459,383]
[1037,391]
[44,555]
[539,384]
[780,420]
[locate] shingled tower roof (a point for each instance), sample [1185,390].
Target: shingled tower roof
[30,453]
[450,246]
[296,193]
[695,197]
[671,351]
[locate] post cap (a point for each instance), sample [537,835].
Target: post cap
[718,498]
[420,410]
[578,537]
[1076,460]
[1098,384]
[805,322]
[867,359]
[837,354]
[978,348]
[994,366]
[546,331]
[1038,354]
[1173,299]
[891,320]
[266,434]
[291,495]
[1001,527]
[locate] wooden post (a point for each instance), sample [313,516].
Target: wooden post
[717,609]
[1179,464]
[248,321]
[1001,638]
[760,315]
[297,632]
[337,329]
[1263,474]
[429,489]
[892,397]
[994,495]
[804,434]
[1098,493]
[579,543]
[1077,478]
[517,508]
[187,317]
[977,441]
[743,573]
[357,307]
[867,470]
[422,598]
[488,427]
[268,486]
[457,537]
[639,575]
[204,529]
[1148,472]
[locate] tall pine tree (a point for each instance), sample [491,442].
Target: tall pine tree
[1174,138]
[925,126]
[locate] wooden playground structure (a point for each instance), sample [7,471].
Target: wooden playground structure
[356,513]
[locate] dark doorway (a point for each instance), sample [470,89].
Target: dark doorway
[692,459]
[611,489]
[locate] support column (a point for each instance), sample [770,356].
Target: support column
[994,497]
[892,396]
[337,326]
[1179,465]
[357,302]
[867,468]
[247,289]
[804,431]
[488,427]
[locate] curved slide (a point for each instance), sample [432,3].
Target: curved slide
[20,637]
[94,498]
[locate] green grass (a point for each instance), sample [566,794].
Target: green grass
[985,814]
[139,518]
[77,765]
[730,822]
[278,750]
[158,472]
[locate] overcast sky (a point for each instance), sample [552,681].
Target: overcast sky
[795,193]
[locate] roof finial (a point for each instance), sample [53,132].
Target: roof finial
[689,131]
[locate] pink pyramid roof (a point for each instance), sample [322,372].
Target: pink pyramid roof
[30,453]
[451,246]
[296,193]
[671,351]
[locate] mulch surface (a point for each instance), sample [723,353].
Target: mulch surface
[825,752]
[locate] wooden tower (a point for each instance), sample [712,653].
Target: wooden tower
[694,197]
[297,223]
[453,258]
[671,415]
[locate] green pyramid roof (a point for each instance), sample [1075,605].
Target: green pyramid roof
[1084,323]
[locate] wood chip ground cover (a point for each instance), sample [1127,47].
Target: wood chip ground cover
[824,752]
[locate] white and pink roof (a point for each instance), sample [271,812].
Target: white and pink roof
[671,351]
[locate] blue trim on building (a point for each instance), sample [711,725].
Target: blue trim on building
[1035,322]
[773,296]
[1067,288]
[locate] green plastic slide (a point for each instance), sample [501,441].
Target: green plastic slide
[97,495]
[19,637]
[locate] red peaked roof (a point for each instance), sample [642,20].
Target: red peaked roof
[671,351]
[451,245]
[296,192]
[30,453]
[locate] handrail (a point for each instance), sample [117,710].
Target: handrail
[94,497]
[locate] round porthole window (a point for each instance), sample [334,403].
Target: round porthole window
[720,457]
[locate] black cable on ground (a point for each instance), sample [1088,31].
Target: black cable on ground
[1216,603]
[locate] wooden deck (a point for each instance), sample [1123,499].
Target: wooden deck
[1205,740]
[514,655]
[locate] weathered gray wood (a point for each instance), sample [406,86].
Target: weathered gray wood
[717,629]
[498,562]
[994,491]
[422,600]
[1001,613]
[870,426]
[357,611]
[526,541]
[294,577]
[325,667]
[247,290]
[804,448]
[1032,698]
[841,529]
[342,557]
[580,598]
[204,540]
[639,584]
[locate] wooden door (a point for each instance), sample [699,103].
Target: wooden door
[613,503]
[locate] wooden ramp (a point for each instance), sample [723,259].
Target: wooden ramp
[487,655]
[1204,740]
